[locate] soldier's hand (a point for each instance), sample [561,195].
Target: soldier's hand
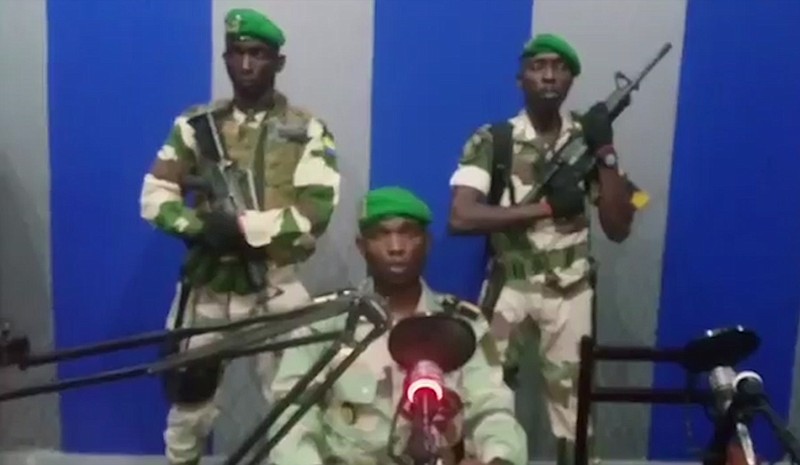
[567,203]
[221,231]
[564,193]
[596,124]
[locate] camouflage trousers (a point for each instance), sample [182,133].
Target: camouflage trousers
[189,425]
[561,317]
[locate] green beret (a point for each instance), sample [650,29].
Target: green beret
[386,202]
[247,24]
[551,43]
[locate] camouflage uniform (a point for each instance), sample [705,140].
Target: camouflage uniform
[547,267]
[352,424]
[301,189]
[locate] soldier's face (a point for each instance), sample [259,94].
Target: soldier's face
[252,66]
[395,250]
[545,80]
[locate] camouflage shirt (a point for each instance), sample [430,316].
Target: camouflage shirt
[555,250]
[300,186]
[353,424]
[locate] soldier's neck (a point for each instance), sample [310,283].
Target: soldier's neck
[402,300]
[545,121]
[256,103]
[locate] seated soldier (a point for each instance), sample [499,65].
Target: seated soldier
[352,425]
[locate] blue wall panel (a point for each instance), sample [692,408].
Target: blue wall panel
[733,236]
[119,72]
[441,69]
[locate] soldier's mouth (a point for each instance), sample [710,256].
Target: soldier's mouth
[397,269]
[248,80]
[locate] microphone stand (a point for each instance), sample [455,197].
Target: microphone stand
[237,343]
[745,405]
[422,441]
[307,397]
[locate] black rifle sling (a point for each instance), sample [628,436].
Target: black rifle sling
[501,162]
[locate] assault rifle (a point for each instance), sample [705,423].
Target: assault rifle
[575,152]
[224,182]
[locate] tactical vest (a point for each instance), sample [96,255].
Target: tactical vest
[516,254]
[266,151]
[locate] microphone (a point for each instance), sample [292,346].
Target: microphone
[427,347]
[749,383]
[428,402]
[424,391]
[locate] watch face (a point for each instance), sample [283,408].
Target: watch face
[610,160]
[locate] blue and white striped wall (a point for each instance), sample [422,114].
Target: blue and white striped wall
[90,87]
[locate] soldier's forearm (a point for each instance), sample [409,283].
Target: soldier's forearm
[162,205]
[317,203]
[308,216]
[478,218]
[614,205]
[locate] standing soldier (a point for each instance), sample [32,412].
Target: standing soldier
[240,263]
[541,251]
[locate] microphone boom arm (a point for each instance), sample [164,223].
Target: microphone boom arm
[236,344]
[347,337]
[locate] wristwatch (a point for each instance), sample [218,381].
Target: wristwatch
[609,159]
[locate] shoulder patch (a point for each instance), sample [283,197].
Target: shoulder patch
[330,147]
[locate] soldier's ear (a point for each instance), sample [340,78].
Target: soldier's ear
[428,242]
[281,63]
[360,245]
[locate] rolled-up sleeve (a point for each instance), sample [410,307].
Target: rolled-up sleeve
[317,182]
[474,166]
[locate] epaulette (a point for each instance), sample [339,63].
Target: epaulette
[453,305]
[296,123]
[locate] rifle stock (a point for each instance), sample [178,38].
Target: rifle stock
[575,150]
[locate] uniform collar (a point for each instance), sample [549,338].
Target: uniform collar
[428,300]
[525,132]
[242,117]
